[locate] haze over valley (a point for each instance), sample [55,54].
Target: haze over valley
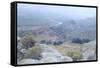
[48,34]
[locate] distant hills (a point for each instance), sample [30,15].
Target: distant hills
[48,28]
[85,28]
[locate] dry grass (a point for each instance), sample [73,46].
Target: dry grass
[75,50]
[33,52]
[65,48]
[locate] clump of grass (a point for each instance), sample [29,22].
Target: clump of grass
[75,55]
[28,40]
[34,52]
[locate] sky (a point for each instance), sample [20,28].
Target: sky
[36,11]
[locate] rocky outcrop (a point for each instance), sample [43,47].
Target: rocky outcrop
[89,51]
[28,61]
[48,55]
[52,55]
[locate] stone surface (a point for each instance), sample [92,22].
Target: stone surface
[28,61]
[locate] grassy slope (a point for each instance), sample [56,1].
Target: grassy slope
[77,49]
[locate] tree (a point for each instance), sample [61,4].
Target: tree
[80,41]
[77,40]
[86,40]
[42,41]
[57,42]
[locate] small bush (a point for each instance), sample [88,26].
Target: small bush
[34,52]
[28,40]
[76,40]
[42,41]
[86,40]
[74,54]
[48,42]
[57,43]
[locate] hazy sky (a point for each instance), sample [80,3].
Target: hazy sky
[33,10]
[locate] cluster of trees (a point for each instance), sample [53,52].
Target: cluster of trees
[80,41]
[56,42]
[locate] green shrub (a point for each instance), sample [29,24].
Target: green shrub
[74,54]
[28,40]
[80,41]
[34,52]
